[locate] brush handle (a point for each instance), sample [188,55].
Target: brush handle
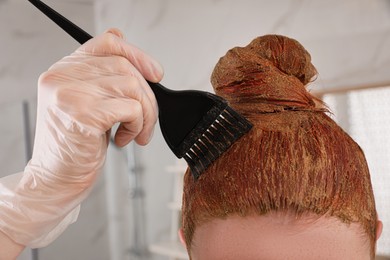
[76,32]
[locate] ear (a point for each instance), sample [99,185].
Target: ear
[181,237]
[379,228]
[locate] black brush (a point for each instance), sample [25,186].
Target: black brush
[198,126]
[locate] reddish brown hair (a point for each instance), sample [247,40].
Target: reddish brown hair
[295,157]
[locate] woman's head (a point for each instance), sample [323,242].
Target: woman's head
[296,167]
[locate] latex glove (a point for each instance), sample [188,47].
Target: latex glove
[79,99]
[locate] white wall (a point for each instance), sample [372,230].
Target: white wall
[348,41]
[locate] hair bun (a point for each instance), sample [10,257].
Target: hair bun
[268,75]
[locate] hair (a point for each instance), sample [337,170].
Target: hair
[295,158]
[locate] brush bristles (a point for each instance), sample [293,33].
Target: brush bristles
[225,130]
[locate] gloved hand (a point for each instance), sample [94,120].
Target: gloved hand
[79,99]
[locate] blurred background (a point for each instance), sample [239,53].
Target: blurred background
[134,210]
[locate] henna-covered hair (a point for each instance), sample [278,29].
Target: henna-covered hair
[295,158]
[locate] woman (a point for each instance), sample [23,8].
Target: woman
[296,186]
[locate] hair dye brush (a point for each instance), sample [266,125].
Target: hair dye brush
[197,126]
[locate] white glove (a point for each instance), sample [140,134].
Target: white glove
[79,99]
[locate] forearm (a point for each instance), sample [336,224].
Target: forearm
[8,248]
[31,214]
